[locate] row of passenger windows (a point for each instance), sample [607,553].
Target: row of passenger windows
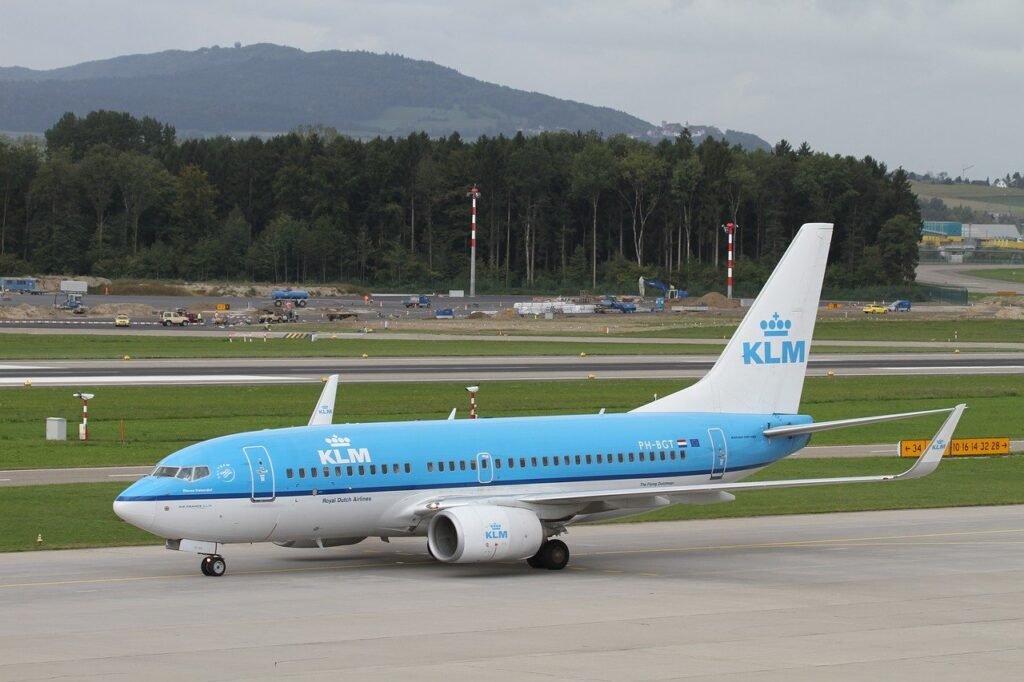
[499,463]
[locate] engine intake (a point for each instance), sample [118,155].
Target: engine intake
[478,533]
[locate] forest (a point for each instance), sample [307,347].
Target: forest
[111,195]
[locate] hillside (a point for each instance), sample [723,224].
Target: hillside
[266,89]
[976,197]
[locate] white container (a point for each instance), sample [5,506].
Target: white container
[56,428]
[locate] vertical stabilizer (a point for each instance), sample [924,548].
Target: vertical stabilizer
[761,370]
[323,413]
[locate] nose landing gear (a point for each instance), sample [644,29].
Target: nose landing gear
[213,565]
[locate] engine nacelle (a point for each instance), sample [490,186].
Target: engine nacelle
[477,533]
[306,543]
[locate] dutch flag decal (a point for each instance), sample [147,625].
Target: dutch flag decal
[681,442]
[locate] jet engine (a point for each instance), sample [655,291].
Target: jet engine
[477,533]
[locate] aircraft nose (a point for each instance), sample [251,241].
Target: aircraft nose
[138,513]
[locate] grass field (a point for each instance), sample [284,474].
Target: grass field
[81,515]
[976,197]
[857,327]
[160,421]
[1015,276]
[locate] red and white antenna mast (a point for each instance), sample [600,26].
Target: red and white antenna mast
[475,194]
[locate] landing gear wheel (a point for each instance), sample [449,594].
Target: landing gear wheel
[218,566]
[213,566]
[553,555]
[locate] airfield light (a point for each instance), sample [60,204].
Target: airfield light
[472,400]
[474,194]
[86,397]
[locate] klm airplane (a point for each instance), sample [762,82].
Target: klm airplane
[504,489]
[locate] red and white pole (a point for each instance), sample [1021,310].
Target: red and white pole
[472,400]
[729,229]
[85,418]
[475,194]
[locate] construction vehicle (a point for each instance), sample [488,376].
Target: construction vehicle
[667,290]
[299,297]
[417,302]
[276,316]
[611,304]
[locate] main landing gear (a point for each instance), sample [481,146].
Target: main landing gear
[552,555]
[213,565]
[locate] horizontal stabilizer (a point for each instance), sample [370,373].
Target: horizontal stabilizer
[799,429]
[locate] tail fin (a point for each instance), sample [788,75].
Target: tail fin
[761,370]
[323,413]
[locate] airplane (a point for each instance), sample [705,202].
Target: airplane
[502,489]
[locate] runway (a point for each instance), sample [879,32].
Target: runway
[354,369]
[927,594]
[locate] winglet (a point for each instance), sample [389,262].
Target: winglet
[451,415]
[323,413]
[929,461]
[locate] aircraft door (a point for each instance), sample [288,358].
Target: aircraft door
[719,453]
[484,467]
[261,473]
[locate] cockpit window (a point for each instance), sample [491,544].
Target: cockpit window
[192,473]
[165,472]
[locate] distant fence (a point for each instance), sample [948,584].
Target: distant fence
[951,295]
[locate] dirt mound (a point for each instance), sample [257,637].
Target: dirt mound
[24,311]
[717,300]
[130,309]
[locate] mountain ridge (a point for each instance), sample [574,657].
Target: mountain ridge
[271,89]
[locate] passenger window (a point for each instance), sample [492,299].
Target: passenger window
[544,460]
[591,462]
[289,473]
[580,461]
[472,464]
[599,459]
[337,471]
[408,468]
[497,463]
[682,454]
[327,472]
[631,457]
[313,472]
[483,463]
[362,470]
[555,460]
[440,466]
[672,454]
[384,469]
[451,465]
[522,462]
[662,455]
[533,461]
[641,456]
[348,470]
[302,472]
[621,458]
[430,467]
[373,469]
[462,465]
[566,462]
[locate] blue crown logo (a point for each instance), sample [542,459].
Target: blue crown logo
[776,326]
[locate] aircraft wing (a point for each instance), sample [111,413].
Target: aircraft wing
[323,413]
[925,464]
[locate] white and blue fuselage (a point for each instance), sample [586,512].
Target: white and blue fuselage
[310,484]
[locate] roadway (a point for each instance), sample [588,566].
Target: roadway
[458,369]
[922,594]
[959,275]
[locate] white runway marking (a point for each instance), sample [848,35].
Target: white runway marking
[150,379]
[24,367]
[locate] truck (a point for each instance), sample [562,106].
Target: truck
[900,306]
[19,285]
[417,302]
[611,304]
[299,297]
[169,317]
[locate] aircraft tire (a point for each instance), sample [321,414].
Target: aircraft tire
[217,566]
[204,565]
[554,554]
[535,561]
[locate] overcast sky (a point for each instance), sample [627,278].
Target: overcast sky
[930,86]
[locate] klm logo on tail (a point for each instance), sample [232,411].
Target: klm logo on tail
[776,349]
